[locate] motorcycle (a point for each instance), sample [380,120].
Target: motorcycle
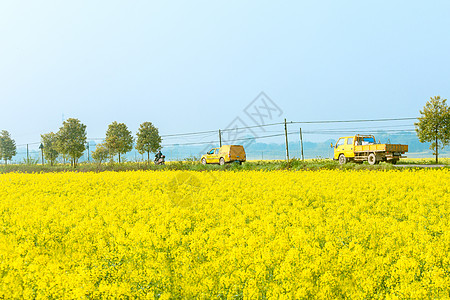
[160,161]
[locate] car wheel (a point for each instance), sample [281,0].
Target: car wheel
[372,159]
[221,161]
[342,159]
[203,161]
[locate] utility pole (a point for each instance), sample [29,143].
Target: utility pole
[301,143]
[287,146]
[42,152]
[437,161]
[87,146]
[28,158]
[220,138]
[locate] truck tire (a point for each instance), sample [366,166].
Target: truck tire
[342,159]
[221,161]
[203,161]
[372,159]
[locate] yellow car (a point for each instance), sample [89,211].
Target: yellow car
[224,154]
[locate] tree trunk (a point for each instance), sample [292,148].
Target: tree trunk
[6,162]
[437,147]
[148,157]
[119,157]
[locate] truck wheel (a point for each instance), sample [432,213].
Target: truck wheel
[372,159]
[203,161]
[221,161]
[342,159]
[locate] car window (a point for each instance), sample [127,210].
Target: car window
[210,151]
[217,151]
[350,141]
[340,142]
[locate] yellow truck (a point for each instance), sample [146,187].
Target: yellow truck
[360,148]
[224,154]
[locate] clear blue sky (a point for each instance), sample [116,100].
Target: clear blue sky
[195,65]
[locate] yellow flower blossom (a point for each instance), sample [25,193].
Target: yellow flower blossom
[226,235]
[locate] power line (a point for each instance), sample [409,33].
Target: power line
[259,137]
[353,131]
[190,144]
[191,133]
[215,142]
[328,131]
[255,126]
[350,121]
[249,127]
[223,130]
[292,122]
[192,137]
[35,143]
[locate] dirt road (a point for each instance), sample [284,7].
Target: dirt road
[420,166]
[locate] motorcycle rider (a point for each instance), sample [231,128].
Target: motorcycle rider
[158,156]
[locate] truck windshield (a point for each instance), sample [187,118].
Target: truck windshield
[340,142]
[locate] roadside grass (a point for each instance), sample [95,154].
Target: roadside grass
[262,165]
[424,161]
[294,164]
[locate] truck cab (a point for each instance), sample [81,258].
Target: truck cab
[345,145]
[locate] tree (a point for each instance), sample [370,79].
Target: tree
[100,153]
[434,124]
[71,139]
[118,139]
[7,146]
[148,139]
[49,141]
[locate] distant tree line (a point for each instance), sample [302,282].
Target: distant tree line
[70,142]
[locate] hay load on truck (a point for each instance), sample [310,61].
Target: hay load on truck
[360,148]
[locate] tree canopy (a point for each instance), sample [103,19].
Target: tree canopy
[118,139]
[7,146]
[148,139]
[71,139]
[49,141]
[434,124]
[100,153]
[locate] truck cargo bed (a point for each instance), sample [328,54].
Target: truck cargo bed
[382,148]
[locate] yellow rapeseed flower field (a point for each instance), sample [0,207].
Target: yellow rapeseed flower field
[226,235]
